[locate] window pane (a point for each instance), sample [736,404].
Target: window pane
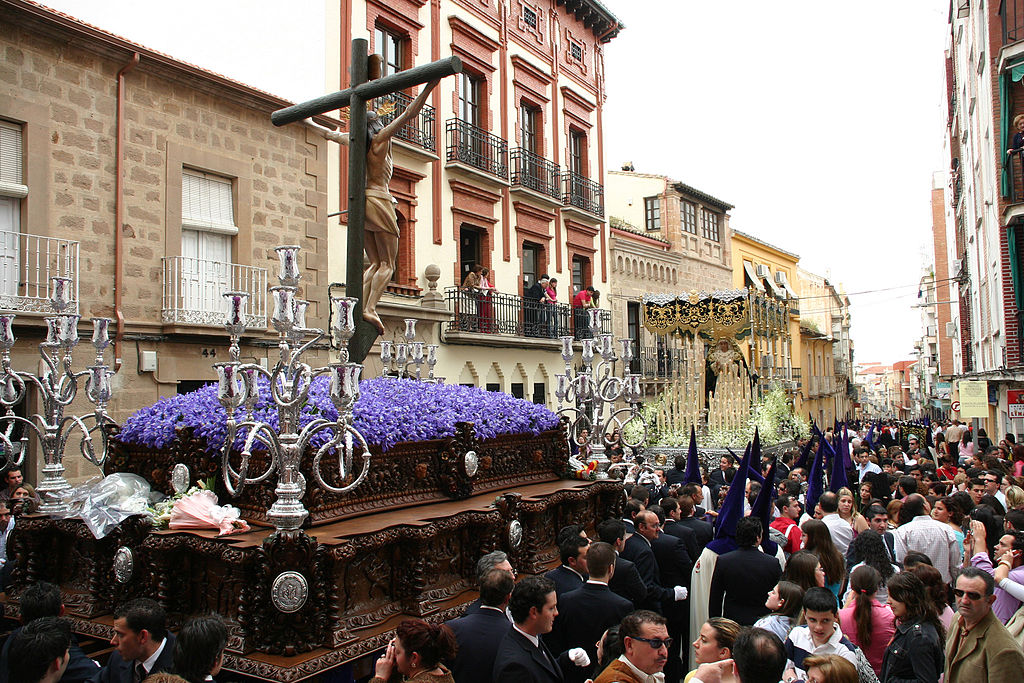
[652,213]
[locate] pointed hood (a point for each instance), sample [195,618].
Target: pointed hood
[732,509]
[869,439]
[692,475]
[762,509]
[755,459]
[928,433]
[837,476]
[814,487]
[805,454]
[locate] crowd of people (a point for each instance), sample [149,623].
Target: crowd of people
[906,565]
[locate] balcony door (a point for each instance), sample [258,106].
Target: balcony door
[471,143]
[205,270]
[208,224]
[633,332]
[10,227]
[469,251]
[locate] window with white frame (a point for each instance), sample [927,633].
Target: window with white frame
[207,226]
[12,191]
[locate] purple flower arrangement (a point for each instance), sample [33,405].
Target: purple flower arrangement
[388,412]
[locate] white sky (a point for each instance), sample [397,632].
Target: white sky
[821,122]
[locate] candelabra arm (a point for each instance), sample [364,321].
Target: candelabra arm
[301,379]
[240,477]
[66,429]
[343,458]
[307,433]
[319,334]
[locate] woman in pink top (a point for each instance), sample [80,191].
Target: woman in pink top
[864,620]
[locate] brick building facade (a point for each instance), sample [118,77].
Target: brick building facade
[503,169]
[124,166]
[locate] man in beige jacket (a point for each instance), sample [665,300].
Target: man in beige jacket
[978,647]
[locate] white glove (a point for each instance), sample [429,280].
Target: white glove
[579,656]
[681,593]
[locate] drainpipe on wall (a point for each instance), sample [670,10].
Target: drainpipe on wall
[119,210]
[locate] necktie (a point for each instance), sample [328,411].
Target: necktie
[140,673]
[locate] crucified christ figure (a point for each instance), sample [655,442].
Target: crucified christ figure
[381,227]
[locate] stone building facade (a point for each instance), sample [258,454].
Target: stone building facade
[666,238]
[136,172]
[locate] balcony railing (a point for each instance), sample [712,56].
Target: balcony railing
[583,193]
[476,147]
[418,131]
[536,173]
[193,289]
[512,315]
[1011,14]
[1013,163]
[27,262]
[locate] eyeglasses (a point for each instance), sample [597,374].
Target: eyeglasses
[970,594]
[655,643]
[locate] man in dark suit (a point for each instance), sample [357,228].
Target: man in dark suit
[142,643]
[638,550]
[878,520]
[573,572]
[42,599]
[493,560]
[674,569]
[625,580]
[40,651]
[633,506]
[479,634]
[688,518]
[677,475]
[584,614]
[744,577]
[672,527]
[522,656]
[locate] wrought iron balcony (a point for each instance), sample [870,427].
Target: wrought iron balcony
[656,363]
[583,193]
[489,312]
[418,131]
[475,147]
[1015,168]
[27,262]
[536,173]
[192,290]
[1011,14]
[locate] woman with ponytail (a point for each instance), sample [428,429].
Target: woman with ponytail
[864,620]
[416,652]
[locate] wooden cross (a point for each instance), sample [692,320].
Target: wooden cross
[355,97]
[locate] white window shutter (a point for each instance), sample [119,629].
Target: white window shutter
[207,203]
[10,153]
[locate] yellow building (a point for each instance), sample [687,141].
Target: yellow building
[770,270]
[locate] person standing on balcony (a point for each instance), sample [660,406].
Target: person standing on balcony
[470,300]
[583,300]
[486,309]
[1017,145]
[532,306]
[550,306]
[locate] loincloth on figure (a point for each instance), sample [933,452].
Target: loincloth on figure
[380,212]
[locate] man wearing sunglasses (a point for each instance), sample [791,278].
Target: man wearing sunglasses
[645,644]
[978,646]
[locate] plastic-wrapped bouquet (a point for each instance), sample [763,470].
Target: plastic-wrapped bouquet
[197,509]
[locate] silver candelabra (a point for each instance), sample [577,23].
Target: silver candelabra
[289,382]
[396,358]
[593,391]
[57,387]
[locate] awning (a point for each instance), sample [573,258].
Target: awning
[776,290]
[752,279]
[781,277]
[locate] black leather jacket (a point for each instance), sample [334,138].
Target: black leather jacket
[915,655]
